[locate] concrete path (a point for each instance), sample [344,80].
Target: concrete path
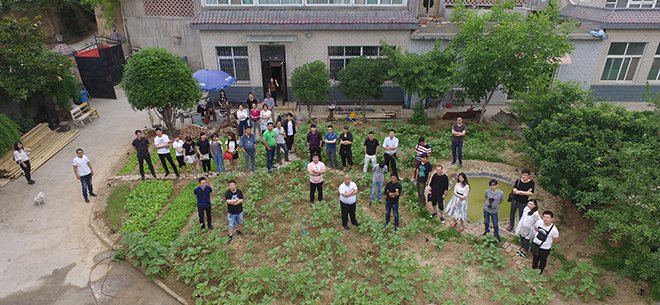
[47,251]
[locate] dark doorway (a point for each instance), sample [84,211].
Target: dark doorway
[273,65]
[101,69]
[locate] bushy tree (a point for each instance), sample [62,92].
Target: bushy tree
[310,83]
[158,80]
[362,79]
[8,134]
[504,50]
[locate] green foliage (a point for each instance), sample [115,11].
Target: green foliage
[157,79]
[107,7]
[9,134]
[129,166]
[144,203]
[362,79]
[580,280]
[116,202]
[652,98]
[428,74]
[543,102]
[24,124]
[147,253]
[176,216]
[504,50]
[419,116]
[310,83]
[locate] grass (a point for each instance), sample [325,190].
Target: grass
[116,203]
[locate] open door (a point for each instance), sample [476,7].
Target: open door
[273,65]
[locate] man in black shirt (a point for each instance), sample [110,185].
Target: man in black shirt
[234,198]
[345,141]
[251,100]
[438,188]
[370,151]
[141,145]
[522,189]
[393,191]
[422,173]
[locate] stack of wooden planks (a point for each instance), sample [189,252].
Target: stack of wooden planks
[370,115]
[44,142]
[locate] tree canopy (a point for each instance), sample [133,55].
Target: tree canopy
[362,79]
[504,50]
[311,83]
[157,79]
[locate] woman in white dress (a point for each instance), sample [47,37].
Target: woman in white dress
[524,229]
[457,206]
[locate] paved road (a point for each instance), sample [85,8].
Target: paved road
[46,252]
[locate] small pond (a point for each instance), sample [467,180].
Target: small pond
[478,186]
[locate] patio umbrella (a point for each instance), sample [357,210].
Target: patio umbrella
[64,49]
[213,80]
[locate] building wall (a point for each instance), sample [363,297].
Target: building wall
[419,46]
[170,32]
[584,62]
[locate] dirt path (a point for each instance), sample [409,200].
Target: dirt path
[48,250]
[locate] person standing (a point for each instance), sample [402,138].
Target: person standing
[458,133]
[84,172]
[377,181]
[422,173]
[269,101]
[251,100]
[204,153]
[178,148]
[525,225]
[393,191]
[316,169]
[272,89]
[345,142]
[370,151]
[390,144]
[234,199]
[223,104]
[217,153]
[203,196]
[421,148]
[191,156]
[494,198]
[255,119]
[457,206]
[331,147]
[22,159]
[162,143]
[266,117]
[546,235]
[438,188]
[232,147]
[141,145]
[248,145]
[522,189]
[271,146]
[314,142]
[243,117]
[347,200]
[290,129]
[281,142]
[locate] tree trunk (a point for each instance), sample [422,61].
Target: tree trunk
[363,108]
[483,109]
[166,115]
[309,109]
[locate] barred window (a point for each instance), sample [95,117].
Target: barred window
[339,57]
[234,60]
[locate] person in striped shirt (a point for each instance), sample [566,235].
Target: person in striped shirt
[420,148]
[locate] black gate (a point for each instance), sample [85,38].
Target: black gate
[101,69]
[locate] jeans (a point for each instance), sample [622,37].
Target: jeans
[284,148]
[234,219]
[250,155]
[316,150]
[539,262]
[346,155]
[395,209]
[367,158]
[218,159]
[200,213]
[147,158]
[242,125]
[270,155]
[312,188]
[332,158]
[168,157]
[496,227]
[457,148]
[515,206]
[390,161]
[86,182]
[346,210]
[375,184]
[421,188]
[27,168]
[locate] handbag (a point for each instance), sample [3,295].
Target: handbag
[512,195]
[227,155]
[204,157]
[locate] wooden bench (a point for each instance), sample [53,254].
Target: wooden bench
[84,107]
[472,114]
[82,112]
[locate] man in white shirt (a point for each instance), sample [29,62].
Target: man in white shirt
[162,142]
[347,199]
[84,172]
[390,144]
[546,235]
[178,147]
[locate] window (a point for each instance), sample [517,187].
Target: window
[280,2]
[234,60]
[630,3]
[217,2]
[339,57]
[329,2]
[623,60]
[654,74]
[385,2]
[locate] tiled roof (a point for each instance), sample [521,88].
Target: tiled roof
[626,18]
[304,20]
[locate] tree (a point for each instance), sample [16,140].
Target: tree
[310,83]
[362,79]
[652,98]
[27,68]
[9,134]
[503,50]
[542,102]
[158,80]
[428,74]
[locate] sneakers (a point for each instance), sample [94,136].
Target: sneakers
[453,163]
[210,227]
[396,228]
[231,238]
[370,203]
[288,160]
[346,227]
[203,226]
[92,194]
[31,182]
[485,233]
[154,175]
[142,177]
[522,254]
[166,174]
[86,200]
[434,214]
[357,224]
[310,204]
[239,233]
[499,239]
[442,220]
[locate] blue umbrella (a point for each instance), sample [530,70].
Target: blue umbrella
[213,80]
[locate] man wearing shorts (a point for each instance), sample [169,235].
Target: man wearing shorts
[234,198]
[438,188]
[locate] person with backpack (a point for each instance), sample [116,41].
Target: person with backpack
[546,235]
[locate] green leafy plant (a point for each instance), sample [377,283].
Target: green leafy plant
[176,216]
[419,116]
[9,134]
[310,83]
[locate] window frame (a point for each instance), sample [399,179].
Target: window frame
[233,58]
[623,59]
[216,5]
[640,3]
[366,3]
[656,58]
[344,57]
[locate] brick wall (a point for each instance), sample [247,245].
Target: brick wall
[584,63]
